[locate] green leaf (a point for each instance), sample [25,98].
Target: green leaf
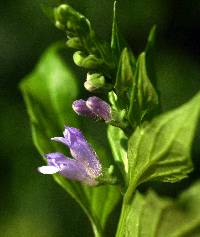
[125,74]
[150,215]
[49,92]
[160,149]
[118,143]
[145,215]
[143,98]
[150,54]
[116,39]
[189,202]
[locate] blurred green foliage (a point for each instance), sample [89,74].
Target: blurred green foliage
[31,204]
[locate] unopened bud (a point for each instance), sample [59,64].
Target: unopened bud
[79,106]
[99,107]
[71,20]
[89,62]
[94,108]
[94,82]
[74,43]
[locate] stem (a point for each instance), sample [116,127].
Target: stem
[97,231]
[126,206]
[121,229]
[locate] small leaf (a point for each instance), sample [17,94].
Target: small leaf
[118,143]
[151,39]
[116,39]
[160,150]
[143,98]
[125,74]
[49,92]
[150,51]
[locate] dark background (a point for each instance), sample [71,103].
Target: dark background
[32,204]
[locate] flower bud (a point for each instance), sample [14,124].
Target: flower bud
[74,43]
[89,62]
[99,107]
[79,106]
[69,19]
[94,82]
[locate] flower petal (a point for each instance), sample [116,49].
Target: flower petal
[48,169]
[82,151]
[56,158]
[60,139]
[74,170]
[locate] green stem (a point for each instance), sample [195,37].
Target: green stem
[126,206]
[121,229]
[97,231]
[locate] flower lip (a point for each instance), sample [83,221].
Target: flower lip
[47,169]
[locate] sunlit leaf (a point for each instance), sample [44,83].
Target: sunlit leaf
[125,74]
[160,149]
[143,98]
[118,143]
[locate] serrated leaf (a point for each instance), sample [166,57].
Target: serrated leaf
[160,149]
[153,216]
[125,74]
[118,142]
[49,92]
[143,98]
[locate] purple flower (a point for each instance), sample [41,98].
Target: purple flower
[85,167]
[93,107]
[80,107]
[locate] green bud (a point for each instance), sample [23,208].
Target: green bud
[78,58]
[74,43]
[59,25]
[70,20]
[94,82]
[89,62]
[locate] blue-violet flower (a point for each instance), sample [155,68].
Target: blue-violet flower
[80,107]
[85,167]
[93,107]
